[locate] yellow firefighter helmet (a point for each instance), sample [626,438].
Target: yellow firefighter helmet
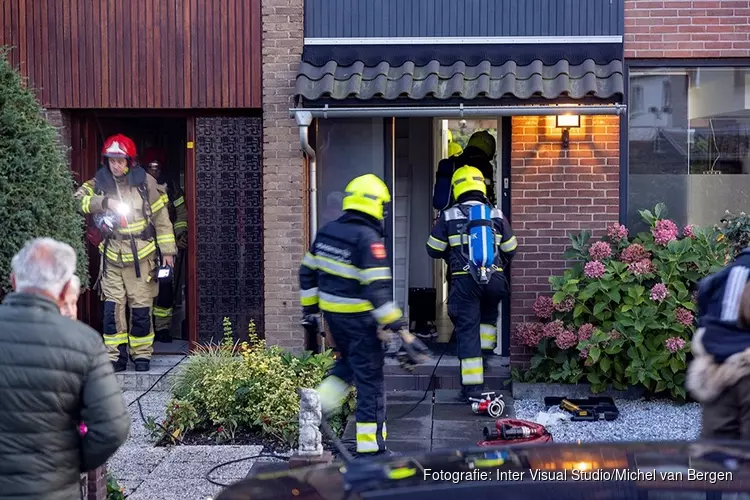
[367,194]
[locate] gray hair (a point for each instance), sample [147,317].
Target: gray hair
[45,264]
[75,285]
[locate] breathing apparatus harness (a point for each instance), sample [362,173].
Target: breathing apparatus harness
[108,222]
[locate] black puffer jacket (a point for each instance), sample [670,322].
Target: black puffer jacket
[54,374]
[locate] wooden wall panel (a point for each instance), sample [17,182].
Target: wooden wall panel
[168,54]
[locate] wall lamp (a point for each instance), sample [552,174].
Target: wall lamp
[567,122]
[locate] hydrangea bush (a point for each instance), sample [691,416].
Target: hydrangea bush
[624,313]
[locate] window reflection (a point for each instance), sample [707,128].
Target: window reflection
[689,143]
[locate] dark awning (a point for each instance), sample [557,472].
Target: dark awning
[464,72]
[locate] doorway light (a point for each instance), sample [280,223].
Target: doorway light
[566,122]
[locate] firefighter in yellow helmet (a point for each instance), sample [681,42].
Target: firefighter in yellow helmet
[478,242]
[346,274]
[479,153]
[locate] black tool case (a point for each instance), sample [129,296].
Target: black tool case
[604,407]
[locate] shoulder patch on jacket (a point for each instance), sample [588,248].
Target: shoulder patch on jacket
[378,250]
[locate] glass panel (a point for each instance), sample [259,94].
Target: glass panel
[689,143]
[346,148]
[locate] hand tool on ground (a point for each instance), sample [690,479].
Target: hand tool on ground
[491,403]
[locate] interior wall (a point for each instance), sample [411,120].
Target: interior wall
[413,207]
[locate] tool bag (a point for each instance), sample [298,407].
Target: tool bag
[479,232]
[523,432]
[442,195]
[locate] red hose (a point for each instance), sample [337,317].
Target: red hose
[538,433]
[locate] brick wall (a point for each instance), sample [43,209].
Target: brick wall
[61,121]
[557,192]
[687,28]
[283,173]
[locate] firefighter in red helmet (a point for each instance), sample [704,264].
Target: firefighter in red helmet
[154,160]
[130,211]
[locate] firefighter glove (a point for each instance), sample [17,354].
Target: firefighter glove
[311,323]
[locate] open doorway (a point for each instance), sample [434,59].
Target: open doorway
[168,135]
[450,137]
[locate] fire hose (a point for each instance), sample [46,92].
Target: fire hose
[514,431]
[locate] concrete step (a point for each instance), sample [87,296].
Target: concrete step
[132,380]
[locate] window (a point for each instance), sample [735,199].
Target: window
[689,146]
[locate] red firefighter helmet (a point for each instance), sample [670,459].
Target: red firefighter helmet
[119,146]
[154,155]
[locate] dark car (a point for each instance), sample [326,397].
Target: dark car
[654,470]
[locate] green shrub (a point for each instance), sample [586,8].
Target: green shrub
[624,313]
[237,387]
[36,185]
[114,490]
[735,228]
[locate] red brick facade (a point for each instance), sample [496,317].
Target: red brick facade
[687,28]
[556,192]
[283,173]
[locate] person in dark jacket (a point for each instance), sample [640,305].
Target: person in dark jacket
[54,375]
[472,307]
[347,275]
[719,375]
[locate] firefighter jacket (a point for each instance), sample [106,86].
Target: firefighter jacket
[347,270]
[719,309]
[148,219]
[447,239]
[177,211]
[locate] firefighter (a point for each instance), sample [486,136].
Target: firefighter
[169,289]
[130,209]
[472,307]
[479,153]
[346,275]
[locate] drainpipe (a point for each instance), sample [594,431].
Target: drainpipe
[304,120]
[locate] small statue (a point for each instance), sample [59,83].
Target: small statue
[310,416]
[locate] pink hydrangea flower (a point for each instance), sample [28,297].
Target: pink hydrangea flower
[694,296]
[617,232]
[553,329]
[594,269]
[674,344]
[665,231]
[688,231]
[600,250]
[585,331]
[641,267]
[614,335]
[584,353]
[566,339]
[528,334]
[634,253]
[659,292]
[566,305]
[543,307]
[684,316]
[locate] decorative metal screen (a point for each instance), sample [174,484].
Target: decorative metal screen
[229,208]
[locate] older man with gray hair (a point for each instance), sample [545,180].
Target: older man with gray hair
[54,376]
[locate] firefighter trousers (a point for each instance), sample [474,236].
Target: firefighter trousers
[360,363]
[473,309]
[169,296]
[122,290]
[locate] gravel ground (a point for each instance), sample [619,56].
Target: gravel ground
[638,421]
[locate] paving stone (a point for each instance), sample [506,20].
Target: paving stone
[197,461]
[156,488]
[410,429]
[447,444]
[130,485]
[460,412]
[409,447]
[408,411]
[396,397]
[471,431]
[448,396]
[136,462]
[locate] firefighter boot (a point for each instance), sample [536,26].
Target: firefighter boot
[142,365]
[121,364]
[471,391]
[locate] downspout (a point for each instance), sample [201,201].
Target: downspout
[304,120]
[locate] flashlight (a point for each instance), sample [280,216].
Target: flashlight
[123,209]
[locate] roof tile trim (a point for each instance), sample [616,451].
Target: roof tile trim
[459,80]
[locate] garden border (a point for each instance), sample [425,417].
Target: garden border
[539,391]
